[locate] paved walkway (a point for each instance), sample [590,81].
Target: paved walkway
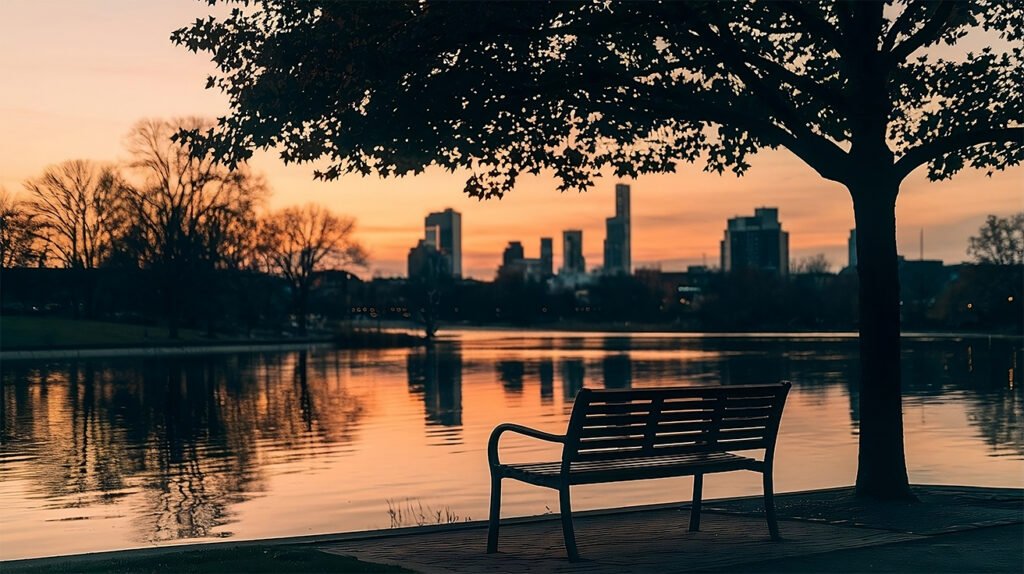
[733,534]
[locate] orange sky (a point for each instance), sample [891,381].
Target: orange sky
[77,74]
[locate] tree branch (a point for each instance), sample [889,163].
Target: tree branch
[932,29]
[926,152]
[813,148]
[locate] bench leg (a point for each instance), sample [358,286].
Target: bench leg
[565,509]
[769,505]
[492,523]
[698,488]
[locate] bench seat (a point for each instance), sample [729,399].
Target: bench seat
[637,468]
[617,435]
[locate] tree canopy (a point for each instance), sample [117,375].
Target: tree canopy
[504,88]
[864,92]
[999,241]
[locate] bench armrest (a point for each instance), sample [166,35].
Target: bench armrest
[492,444]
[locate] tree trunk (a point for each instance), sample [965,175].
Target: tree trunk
[301,302]
[881,468]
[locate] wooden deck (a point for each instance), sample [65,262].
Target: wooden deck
[732,533]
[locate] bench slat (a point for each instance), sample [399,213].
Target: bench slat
[619,408]
[705,415]
[669,449]
[672,393]
[615,420]
[605,443]
[750,402]
[676,427]
[639,427]
[610,431]
[731,434]
[731,413]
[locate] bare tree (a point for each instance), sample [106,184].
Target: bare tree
[1000,241]
[816,263]
[18,232]
[76,203]
[298,242]
[192,216]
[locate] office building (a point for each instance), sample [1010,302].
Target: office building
[617,254]
[513,253]
[515,264]
[443,229]
[756,243]
[426,263]
[572,253]
[547,257]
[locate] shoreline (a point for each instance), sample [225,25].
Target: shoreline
[162,350]
[843,516]
[444,335]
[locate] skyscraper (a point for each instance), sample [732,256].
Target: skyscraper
[617,259]
[513,253]
[444,230]
[756,242]
[572,252]
[547,257]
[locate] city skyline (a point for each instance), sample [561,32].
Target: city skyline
[87,99]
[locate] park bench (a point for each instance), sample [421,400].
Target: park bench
[632,434]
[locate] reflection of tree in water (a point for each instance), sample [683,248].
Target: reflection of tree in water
[436,375]
[995,406]
[188,431]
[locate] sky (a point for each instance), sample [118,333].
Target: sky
[75,76]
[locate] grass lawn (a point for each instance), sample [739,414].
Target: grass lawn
[19,332]
[247,559]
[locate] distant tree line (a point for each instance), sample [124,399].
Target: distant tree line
[174,239]
[186,235]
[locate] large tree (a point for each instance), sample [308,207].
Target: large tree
[856,90]
[77,205]
[19,232]
[299,242]
[192,216]
[1000,241]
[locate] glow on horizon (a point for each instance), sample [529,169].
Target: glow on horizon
[77,76]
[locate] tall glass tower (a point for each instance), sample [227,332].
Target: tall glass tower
[617,257]
[444,230]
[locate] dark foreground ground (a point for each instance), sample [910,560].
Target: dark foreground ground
[951,529]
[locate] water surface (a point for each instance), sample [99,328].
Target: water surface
[103,454]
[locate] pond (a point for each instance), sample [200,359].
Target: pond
[104,454]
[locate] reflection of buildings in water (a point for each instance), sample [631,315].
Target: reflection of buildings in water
[547,381]
[618,371]
[437,375]
[510,373]
[573,374]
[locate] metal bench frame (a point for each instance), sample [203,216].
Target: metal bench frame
[633,434]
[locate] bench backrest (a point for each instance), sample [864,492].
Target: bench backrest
[616,424]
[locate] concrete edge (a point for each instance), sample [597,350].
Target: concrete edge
[340,537]
[336,537]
